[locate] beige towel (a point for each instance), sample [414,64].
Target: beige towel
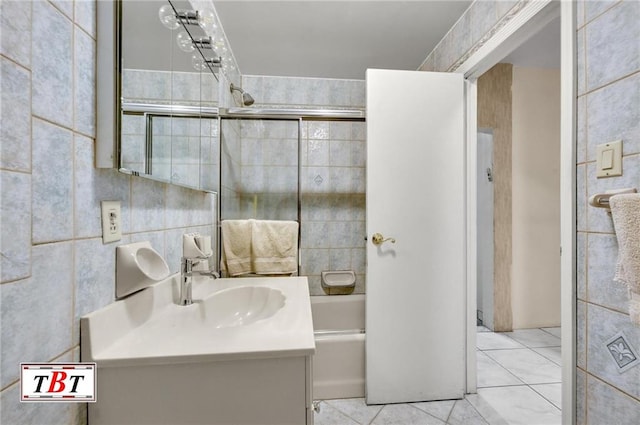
[274,247]
[236,247]
[625,210]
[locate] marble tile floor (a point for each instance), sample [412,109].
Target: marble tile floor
[519,382]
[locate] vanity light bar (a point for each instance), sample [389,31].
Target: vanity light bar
[213,63]
[203,43]
[188,17]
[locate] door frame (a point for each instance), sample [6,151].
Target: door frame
[528,21]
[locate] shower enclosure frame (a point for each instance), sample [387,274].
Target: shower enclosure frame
[277,114]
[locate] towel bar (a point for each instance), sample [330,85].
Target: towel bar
[601,200]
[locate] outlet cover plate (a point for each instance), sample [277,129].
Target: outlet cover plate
[111,221]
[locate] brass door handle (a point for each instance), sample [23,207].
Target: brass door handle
[378,239]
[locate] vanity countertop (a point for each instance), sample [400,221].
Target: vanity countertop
[150,328]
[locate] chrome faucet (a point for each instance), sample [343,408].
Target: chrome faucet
[187,273]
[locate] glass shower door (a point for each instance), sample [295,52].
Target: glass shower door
[259,169]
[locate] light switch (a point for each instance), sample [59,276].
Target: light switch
[609,159]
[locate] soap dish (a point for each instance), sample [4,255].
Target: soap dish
[338,282]
[138,265]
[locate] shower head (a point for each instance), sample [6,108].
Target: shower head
[247,100]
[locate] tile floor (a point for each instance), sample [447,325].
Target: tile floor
[518,383]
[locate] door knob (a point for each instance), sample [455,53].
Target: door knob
[378,239]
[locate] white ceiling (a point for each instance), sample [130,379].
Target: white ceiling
[540,51]
[334,39]
[328,39]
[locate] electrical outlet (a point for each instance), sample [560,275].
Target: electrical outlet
[111,221]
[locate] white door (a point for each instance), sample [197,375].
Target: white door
[485,227]
[415,304]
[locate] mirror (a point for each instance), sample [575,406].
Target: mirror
[168,95]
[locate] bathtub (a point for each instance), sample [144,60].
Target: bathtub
[338,364]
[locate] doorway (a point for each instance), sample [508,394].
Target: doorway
[519,101]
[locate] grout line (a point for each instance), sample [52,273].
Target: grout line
[584,10]
[18,64]
[609,83]
[377,414]
[541,395]
[509,372]
[609,384]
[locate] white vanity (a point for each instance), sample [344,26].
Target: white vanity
[240,354]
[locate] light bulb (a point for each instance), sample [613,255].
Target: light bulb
[227,66]
[168,17]
[184,42]
[207,21]
[197,62]
[219,47]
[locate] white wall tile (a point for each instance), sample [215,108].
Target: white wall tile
[606,405]
[65,6]
[581,265]
[93,186]
[85,15]
[36,312]
[581,397]
[504,6]
[483,16]
[15,231]
[340,153]
[186,207]
[594,8]
[52,73]
[95,276]
[601,288]
[581,131]
[581,335]
[15,151]
[147,205]
[581,61]
[613,114]
[52,204]
[84,83]
[612,44]
[314,261]
[14,412]
[603,324]
[15,26]
[317,152]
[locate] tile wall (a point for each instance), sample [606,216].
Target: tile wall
[332,156]
[608,41]
[54,266]
[268,186]
[478,24]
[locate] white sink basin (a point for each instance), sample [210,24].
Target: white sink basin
[241,306]
[230,319]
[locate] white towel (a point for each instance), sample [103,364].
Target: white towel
[236,247]
[274,247]
[265,247]
[625,210]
